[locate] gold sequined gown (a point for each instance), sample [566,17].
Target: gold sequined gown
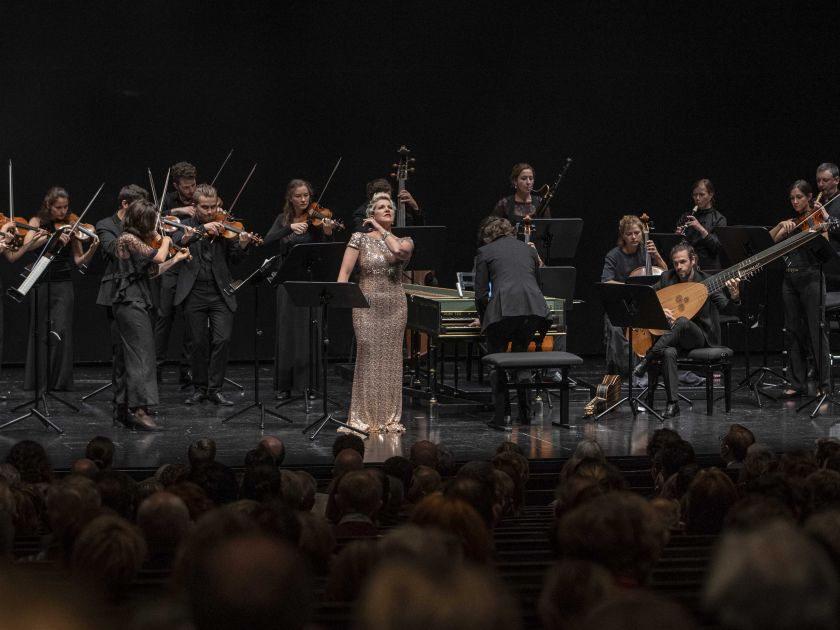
[376,405]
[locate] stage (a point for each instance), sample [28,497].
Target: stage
[466,434]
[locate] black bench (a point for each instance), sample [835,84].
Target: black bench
[503,361]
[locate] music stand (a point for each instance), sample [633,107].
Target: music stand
[326,295]
[825,254]
[310,262]
[254,280]
[739,243]
[556,238]
[632,306]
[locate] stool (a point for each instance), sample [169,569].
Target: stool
[708,361]
[539,361]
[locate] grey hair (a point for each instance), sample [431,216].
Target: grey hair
[830,167]
[376,197]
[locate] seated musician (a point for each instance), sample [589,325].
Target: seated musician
[510,305]
[623,259]
[701,331]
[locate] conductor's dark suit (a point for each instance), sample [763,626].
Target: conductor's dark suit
[108,230]
[200,288]
[510,305]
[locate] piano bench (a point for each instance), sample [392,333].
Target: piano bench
[562,361]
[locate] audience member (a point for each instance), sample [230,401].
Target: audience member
[399,467]
[734,445]
[458,517]
[571,589]
[100,450]
[358,498]
[351,567]
[637,609]
[85,467]
[446,461]
[164,520]
[710,496]
[31,461]
[348,440]
[274,447]
[479,493]
[424,482]
[424,453]
[309,488]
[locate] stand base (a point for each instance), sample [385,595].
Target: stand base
[635,403]
[48,424]
[755,387]
[97,391]
[42,399]
[259,405]
[326,419]
[820,399]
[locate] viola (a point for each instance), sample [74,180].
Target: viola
[317,215]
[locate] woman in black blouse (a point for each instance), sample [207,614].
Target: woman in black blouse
[523,201]
[699,225]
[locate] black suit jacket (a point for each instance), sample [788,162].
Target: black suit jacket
[225,252]
[108,230]
[707,317]
[510,268]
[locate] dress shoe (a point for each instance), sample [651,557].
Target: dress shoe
[790,393]
[141,421]
[197,397]
[285,395]
[218,398]
[641,368]
[671,409]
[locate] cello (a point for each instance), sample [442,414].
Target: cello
[642,338]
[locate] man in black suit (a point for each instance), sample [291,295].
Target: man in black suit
[702,330]
[200,288]
[108,230]
[510,304]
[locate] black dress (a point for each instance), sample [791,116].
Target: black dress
[133,308]
[514,210]
[707,247]
[292,337]
[55,301]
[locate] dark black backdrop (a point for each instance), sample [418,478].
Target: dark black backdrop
[647,97]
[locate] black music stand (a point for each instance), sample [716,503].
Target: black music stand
[254,280]
[326,295]
[632,306]
[825,253]
[309,262]
[739,243]
[556,238]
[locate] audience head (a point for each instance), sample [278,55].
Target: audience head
[262,482]
[309,488]
[571,589]
[772,578]
[735,442]
[797,463]
[458,517]
[348,440]
[201,452]
[164,520]
[101,450]
[399,467]
[170,474]
[274,447]
[827,447]
[637,609]
[755,511]
[10,474]
[589,449]
[823,490]
[660,438]
[71,503]
[480,494]
[709,498]
[359,492]
[446,461]
[347,459]
[350,569]
[85,467]
[424,482]
[291,488]
[31,461]
[424,453]
[116,490]
[194,497]
[760,460]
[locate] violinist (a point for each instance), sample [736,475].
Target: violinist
[803,290]
[177,202]
[699,225]
[619,262]
[523,201]
[201,284]
[700,331]
[413,216]
[55,295]
[134,262]
[109,230]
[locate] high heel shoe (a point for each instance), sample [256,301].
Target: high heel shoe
[139,420]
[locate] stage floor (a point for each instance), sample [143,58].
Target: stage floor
[466,434]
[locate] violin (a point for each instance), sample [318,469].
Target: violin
[812,219]
[233,228]
[83,231]
[156,240]
[317,215]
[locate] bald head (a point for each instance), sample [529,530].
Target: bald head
[274,447]
[85,467]
[164,519]
[347,460]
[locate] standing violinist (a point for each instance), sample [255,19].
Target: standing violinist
[413,216]
[54,294]
[523,201]
[201,284]
[828,178]
[619,263]
[293,346]
[177,202]
[803,290]
[699,225]
[108,230]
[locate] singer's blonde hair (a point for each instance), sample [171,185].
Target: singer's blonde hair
[377,197]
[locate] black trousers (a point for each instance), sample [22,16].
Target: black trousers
[801,295]
[518,332]
[134,324]
[118,361]
[684,335]
[211,322]
[166,318]
[55,337]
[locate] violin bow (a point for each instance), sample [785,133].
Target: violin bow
[152,186]
[11,195]
[229,213]
[160,204]
[221,168]
[329,179]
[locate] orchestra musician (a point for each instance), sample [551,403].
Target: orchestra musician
[803,291]
[201,282]
[177,202]
[700,331]
[108,230]
[620,261]
[699,225]
[55,295]
[134,261]
[516,310]
[523,202]
[292,341]
[413,216]
[828,178]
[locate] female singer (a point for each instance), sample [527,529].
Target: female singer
[522,202]
[132,305]
[55,297]
[292,369]
[699,225]
[376,403]
[803,290]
